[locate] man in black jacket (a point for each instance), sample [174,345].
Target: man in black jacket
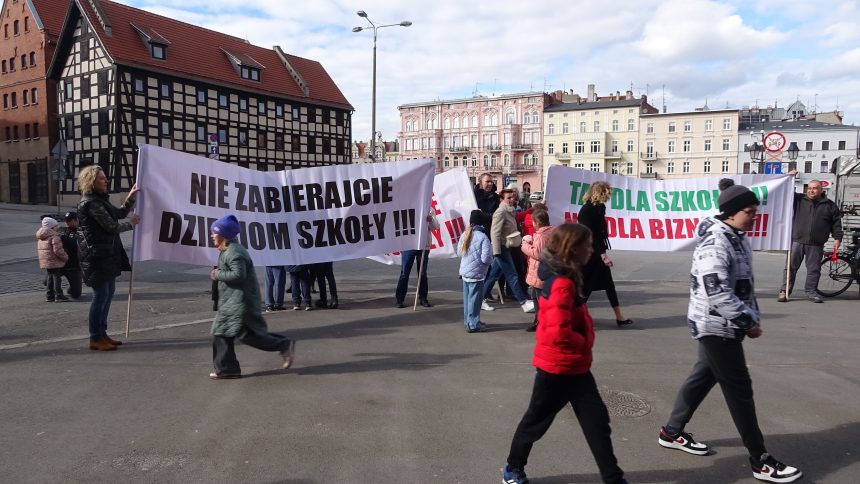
[486,197]
[816,218]
[72,270]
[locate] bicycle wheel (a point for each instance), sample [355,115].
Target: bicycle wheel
[835,276]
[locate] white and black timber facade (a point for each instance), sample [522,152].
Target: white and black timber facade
[128,77]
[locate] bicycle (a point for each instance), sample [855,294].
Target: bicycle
[838,273]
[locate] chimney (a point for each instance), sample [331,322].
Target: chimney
[629,95]
[591,96]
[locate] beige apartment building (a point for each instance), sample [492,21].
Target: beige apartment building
[595,133]
[689,144]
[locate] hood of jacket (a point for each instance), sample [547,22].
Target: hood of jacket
[550,264]
[45,233]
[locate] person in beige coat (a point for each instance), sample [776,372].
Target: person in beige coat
[503,236]
[52,256]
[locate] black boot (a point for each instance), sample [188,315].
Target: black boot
[333,303]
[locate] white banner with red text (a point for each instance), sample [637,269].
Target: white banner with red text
[452,203]
[662,215]
[299,216]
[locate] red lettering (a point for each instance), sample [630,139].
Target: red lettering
[636,231]
[656,228]
[611,228]
[690,225]
[434,204]
[437,236]
[570,217]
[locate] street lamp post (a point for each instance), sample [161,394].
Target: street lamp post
[405,23]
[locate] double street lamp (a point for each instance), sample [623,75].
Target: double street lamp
[405,23]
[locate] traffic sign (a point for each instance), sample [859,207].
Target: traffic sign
[60,150]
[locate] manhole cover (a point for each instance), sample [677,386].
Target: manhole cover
[625,404]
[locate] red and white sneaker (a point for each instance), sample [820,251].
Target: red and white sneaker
[771,470]
[682,441]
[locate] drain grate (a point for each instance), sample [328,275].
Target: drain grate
[625,404]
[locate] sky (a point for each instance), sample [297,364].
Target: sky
[680,53]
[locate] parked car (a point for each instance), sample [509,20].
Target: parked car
[536,196]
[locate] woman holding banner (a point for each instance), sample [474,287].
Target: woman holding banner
[597,272]
[102,256]
[239,305]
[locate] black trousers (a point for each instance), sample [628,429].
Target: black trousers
[551,393]
[224,354]
[721,361]
[75,281]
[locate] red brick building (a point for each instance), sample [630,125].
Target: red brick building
[28,126]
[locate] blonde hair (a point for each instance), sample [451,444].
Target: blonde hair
[87,179]
[466,240]
[598,192]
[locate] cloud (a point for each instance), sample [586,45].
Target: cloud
[727,51]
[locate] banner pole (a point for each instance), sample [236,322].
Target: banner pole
[420,272]
[787,270]
[130,292]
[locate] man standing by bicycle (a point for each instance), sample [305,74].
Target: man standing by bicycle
[815,218]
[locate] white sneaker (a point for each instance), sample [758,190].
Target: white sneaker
[487,307]
[528,306]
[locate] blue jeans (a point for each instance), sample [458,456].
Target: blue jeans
[473,295]
[276,280]
[300,281]
[407,258]
[99,308]
[504,265]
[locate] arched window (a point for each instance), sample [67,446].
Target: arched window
[465,120]
[474,120]
[447,162]
[447,122]
[507,161]
[15,27]
[456,121]
[509,118]
[486,161]
[474,160]
[493,160]
[494,119]
[32,59]
[527,118]
[527,159]
[486,119]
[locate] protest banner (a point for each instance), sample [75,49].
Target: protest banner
[662,215]
[299,216]
[452,203]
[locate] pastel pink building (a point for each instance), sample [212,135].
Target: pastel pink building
[499,135]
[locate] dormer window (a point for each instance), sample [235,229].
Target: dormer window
[153,41]
[250,73]
[158,51]
[246,66]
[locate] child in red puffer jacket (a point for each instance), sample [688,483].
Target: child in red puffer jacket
[562,355]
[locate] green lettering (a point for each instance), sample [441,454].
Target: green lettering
[642,204]
[661,203]
[574,189]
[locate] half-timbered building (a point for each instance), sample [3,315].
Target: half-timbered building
[127,76]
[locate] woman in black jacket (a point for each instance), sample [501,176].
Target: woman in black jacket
[597,273]
[101,253]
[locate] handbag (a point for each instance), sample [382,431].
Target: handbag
[514,239]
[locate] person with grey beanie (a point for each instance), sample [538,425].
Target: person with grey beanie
[723,311]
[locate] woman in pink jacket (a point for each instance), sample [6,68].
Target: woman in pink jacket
[532,247]
[52,257]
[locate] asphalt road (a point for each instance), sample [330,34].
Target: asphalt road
[380,394]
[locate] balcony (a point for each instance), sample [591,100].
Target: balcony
[562,156]
[648,155]
[521,167]
[522,147]
[493,148]
[653,175]
[612,155]
[459,149]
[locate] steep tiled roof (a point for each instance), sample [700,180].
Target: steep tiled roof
[51,13]
[200,53]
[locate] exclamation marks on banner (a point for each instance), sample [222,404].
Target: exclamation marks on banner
[404,222]
[456,227]
[760,227]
